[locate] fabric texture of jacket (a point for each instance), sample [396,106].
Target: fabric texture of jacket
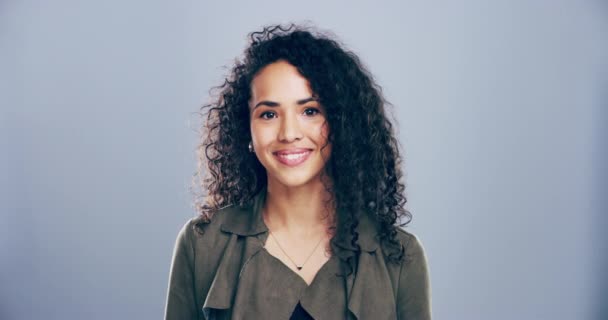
[218,271]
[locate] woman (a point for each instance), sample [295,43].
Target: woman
[304,191]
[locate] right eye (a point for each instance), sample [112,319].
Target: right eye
[267,115]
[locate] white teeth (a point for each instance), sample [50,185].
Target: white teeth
[293,156]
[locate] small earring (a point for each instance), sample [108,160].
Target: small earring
[250,147]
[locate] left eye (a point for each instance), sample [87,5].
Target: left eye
[311,111]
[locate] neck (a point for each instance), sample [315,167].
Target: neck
[301,210]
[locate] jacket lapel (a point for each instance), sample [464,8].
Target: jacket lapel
[369,286]
[240,248]
[222,287]
[371,294]
[368,289]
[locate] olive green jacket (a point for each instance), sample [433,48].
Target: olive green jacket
[211,261]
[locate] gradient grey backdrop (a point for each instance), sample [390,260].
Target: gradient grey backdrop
[502,114]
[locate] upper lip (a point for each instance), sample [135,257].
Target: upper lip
[292,151]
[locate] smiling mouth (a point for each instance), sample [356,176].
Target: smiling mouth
[292,159]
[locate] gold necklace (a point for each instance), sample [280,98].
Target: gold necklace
[288,257]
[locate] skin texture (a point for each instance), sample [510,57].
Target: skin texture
[294,208]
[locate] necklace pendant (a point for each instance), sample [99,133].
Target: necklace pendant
[299,268]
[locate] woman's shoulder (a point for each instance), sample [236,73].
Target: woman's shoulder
[200,226]
[411,244]
[414,286]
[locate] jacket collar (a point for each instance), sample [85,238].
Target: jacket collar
[248,221]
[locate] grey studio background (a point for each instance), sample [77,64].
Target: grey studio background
[502,109]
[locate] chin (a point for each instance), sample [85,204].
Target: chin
[294,179]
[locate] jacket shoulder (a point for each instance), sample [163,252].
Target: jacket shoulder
[414,288]
[200,226]
[411,243]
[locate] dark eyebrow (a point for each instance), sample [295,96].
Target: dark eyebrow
[276,104]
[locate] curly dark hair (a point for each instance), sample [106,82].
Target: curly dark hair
[365,151]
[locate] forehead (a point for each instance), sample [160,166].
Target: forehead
[280,82]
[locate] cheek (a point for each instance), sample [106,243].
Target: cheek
[324,130]
[263,135]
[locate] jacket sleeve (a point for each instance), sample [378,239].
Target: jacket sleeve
[181,302]
[414,293]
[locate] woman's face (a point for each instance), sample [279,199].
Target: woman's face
[288,126]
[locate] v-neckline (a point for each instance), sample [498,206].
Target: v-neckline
[283,265]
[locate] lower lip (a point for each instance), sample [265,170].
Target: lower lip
[293,162]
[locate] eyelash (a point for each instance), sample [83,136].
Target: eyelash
[262,115]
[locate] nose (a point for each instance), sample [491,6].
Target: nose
[290,128]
